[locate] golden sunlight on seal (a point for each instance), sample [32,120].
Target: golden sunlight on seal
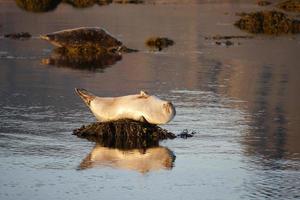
[140,107]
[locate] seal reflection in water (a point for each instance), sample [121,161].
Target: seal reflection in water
[140,107]
[143,161]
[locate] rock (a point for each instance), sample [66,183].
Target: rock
[268,22]
[290,5]
[263,3]
[159,42]
[38,5]
[86,38]
[18,36]
[124,134]
[80,58]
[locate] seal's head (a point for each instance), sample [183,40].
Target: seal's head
[157,111]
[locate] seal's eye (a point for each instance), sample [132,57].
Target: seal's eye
[168,107]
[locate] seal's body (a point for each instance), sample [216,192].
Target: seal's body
[139,107]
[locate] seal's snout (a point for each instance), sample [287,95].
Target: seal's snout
[85,95]
[169,108]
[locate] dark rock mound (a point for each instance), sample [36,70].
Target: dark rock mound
[159,43]
[124,134]
[263,3]
[18,36]
[81,58]
[268,22]
[38,5]
[290,5]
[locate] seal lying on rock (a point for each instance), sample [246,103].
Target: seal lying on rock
[139,107]
[86,38]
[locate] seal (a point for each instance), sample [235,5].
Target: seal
[139,107]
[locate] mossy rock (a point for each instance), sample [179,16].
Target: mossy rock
[124,134]
[82,58]
[268,22]
[290,5]
[38,5]
[159,43]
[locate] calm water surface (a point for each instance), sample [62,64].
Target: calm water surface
[242,102]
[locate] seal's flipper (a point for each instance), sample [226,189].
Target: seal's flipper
[85,95]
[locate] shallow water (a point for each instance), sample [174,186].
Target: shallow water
[242,101]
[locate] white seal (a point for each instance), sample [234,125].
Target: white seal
[140,107]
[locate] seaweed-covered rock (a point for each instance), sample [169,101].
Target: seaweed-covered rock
[38,5]
[81,58]
[124,134]
[268,22]
[290,5]
[18,36]
[159,42]
[263,3]
[86,37]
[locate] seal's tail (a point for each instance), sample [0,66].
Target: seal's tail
[85,95]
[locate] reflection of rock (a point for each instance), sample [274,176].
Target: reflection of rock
[18,36]
[290,5]
[124,134]
[86,38]
[268,22]
[77,59]
[38,5]
[159,43]
[141,160]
